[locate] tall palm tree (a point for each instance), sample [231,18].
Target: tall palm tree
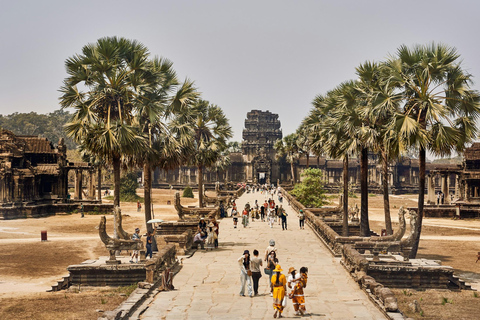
[303,142]
[439,108]
[211,131]
[327,137]
[162,100]
[380,103]
[288,148]
[103,88]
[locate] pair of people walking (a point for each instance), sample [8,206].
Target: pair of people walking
[249,272]
[296,282]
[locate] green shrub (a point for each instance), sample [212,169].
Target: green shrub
[187,192]
[310,191]
[128,184]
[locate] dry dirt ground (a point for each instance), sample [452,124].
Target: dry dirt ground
[28,267]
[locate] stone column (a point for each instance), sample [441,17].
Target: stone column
[78,185]
[467,191]
[456,186]
[429,189]
[444,187]
[91,188]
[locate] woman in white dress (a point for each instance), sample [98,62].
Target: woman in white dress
[210,236]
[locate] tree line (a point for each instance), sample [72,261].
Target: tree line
[48,125]
[418,99]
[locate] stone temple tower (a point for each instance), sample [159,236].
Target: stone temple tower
[262,130]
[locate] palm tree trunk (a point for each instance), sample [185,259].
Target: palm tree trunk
[308,160]
[200,186]
[386,197]
[147,194]
[421,199]
[345,197]
[293,172]
[116,180]
[99,184]
[364,224]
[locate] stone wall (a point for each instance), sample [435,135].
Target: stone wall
[45,210]
[98,273]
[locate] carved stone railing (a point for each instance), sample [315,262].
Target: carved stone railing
[185,214]
[114,245]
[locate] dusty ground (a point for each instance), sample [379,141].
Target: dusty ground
[28,267]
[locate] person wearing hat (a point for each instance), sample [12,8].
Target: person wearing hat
[245,274]
[135,237]
[270,248]
[202,225]
[301,219]
[279,283]
[211,236]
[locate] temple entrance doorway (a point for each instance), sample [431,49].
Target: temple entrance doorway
[262,179]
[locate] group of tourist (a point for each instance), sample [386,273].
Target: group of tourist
[250,272]
[268,211]
[207,234]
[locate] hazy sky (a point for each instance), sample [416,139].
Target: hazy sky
[242,55]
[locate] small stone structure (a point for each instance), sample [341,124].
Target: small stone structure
[34,178]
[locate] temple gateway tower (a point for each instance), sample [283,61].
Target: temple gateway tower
[262,129]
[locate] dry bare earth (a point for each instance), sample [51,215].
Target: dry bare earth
[28,266]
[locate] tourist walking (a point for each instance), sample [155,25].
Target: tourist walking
[139,206]
[135,237]
[245,274]
[262,213]
[271,217]
[297,294]
[283,215]
[255,265]
[245,217]
[202,226]
[271,265]
[235,217]
[301,219]
[271,247]
[279,283]
[149,243]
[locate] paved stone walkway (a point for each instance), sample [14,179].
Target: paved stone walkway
[208,285]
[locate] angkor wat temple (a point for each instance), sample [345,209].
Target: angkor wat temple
[257,163]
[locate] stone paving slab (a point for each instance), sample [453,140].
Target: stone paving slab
[208,285]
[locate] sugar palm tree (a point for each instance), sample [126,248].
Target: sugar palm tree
[103,86]
[439,108]
[210,133]
[327,138]
[288,148]
[163,100]
[380,105]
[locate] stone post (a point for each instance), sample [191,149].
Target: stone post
[456,186]
[91,188]
[444,187]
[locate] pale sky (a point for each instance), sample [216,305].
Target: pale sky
[242,55]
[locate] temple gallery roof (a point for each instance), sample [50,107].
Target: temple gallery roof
[36,144]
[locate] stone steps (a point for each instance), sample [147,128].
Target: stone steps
[64,283]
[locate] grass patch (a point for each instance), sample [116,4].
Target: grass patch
[126,289]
